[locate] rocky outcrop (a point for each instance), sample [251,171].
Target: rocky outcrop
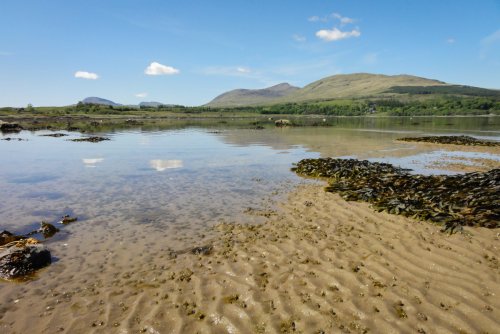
[22,258]
[10,127]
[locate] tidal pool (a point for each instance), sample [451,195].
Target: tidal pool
[145,193]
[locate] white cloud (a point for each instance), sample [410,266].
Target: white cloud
[314,18]
[343,19]
[86,75]
[336,34]
[450,40]
[243,70]
[299,38]
[140,95]
[158,69]
[228,71]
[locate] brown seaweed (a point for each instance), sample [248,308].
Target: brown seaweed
[454,140]
[471,199]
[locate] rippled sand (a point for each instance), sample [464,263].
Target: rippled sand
[318,264]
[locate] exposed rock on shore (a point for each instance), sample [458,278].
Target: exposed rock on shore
[22,258]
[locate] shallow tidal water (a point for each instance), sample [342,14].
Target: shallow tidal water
[145,193]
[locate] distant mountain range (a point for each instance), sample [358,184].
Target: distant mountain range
[245,97]
[98,100]
[348,86]
[101,101]
[341,86]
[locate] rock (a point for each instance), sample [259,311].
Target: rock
[6,237]
[55,135]
[67,219]
[282,122]
[47,230]
[10,127]
[202,250]
[91,139]
[9,139]
[23,259]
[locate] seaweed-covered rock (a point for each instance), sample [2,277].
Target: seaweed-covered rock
[455,140]
[7,237]
[47,230]
[91,139]
[471,199]
[10,127]
[23,259]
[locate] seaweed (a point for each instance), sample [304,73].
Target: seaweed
[454,140]
[454,201]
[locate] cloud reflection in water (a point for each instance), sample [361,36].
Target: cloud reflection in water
[91,162]
[161,165]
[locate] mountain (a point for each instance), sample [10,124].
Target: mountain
[98,100]
[152,104]
[350,86]
[356,86]
[246,97]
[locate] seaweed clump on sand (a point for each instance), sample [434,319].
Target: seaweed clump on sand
[454,140]
[455,201]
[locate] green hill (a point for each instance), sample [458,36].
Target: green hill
[351,86]
[249,97]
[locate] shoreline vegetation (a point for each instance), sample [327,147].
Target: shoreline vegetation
[470,106]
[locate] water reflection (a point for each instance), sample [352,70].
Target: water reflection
[161,165]
[92,162]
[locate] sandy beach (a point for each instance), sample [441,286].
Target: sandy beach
[318,264]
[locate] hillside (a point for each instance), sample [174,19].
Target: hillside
[350,86]
[98,100]
[247,97]
[356,86]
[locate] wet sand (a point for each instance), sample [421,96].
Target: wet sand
[318,264]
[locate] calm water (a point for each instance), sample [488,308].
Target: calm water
[189,178]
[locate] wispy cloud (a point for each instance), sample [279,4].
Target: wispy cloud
[5,53]
[333,16]
[299,38]
[343,19]
[228,71]
[370,58]
[489,42]
[316,18]
[86,75]
[336,34]
[141,95]
[243,70]
[156,68]
[450,40]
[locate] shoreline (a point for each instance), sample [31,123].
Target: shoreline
[317,264]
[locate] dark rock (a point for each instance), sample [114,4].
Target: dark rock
[91,139]
[202,250]
[10,138]
[47,230]
[23,259]
[55,135]
[68,219]
[6,237]
[10,127]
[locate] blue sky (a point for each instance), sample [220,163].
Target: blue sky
[187,52]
